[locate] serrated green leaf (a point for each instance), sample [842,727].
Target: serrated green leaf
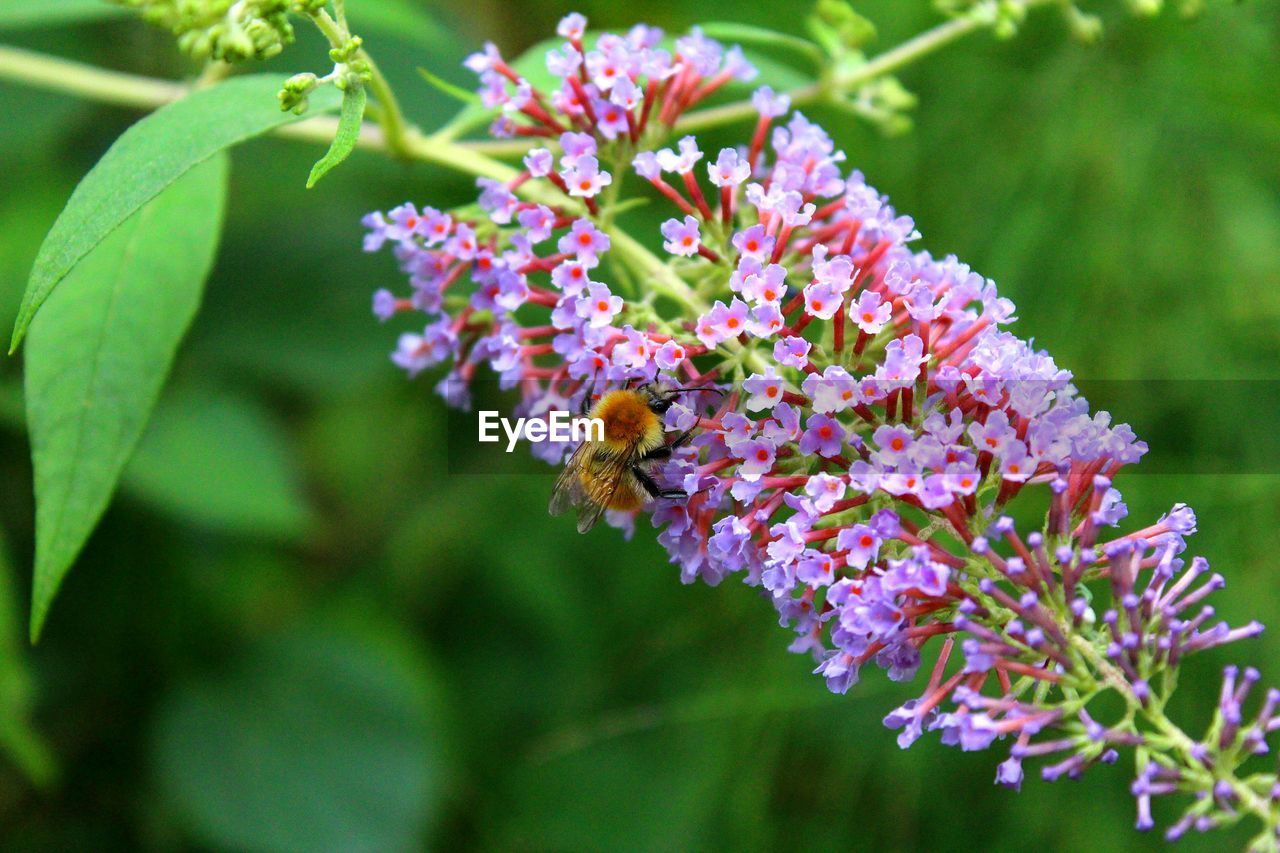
[344,141]
[324,738]
[20,14]
[220,461]
[148,157]
[18,738]
[99,352]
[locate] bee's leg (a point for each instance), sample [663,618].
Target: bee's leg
[653,488]
[664,451]
[584,407]
[682,439]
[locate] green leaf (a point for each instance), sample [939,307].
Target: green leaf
[19,14]
[747,35]
[221,461]
[344,141]
[148,157]
[324,738]
[98,355]
[24,745]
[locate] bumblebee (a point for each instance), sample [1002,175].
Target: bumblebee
[612,472]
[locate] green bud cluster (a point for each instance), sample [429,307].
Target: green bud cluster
[1009,15]
[293,95]
[227,30]
[1005,16]
[1085,27]
[836,26]
[350,69]
[884,103]
[1145,7]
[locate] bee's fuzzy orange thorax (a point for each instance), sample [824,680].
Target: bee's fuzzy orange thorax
[628,420]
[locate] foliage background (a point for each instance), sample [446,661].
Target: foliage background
[296,628]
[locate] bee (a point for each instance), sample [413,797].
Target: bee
[612,473]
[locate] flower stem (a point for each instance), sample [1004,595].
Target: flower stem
[1153,713]
[653,271]
[392,119]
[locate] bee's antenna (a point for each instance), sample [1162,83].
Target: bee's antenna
[682,390]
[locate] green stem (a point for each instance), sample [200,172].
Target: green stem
[392,120]
[886,63]
[654,271]
[66,76]
[215,71]
[86,81]
[912,49]
[699,120]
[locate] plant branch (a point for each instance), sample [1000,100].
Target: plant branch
[698,120]
[886,63]
[1154,714]
[86,81]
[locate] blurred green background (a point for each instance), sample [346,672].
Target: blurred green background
[295,629]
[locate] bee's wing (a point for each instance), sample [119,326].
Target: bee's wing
[608,472]
[568,489]
[588,515]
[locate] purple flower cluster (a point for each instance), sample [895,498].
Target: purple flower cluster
[612,90]
[876,416]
